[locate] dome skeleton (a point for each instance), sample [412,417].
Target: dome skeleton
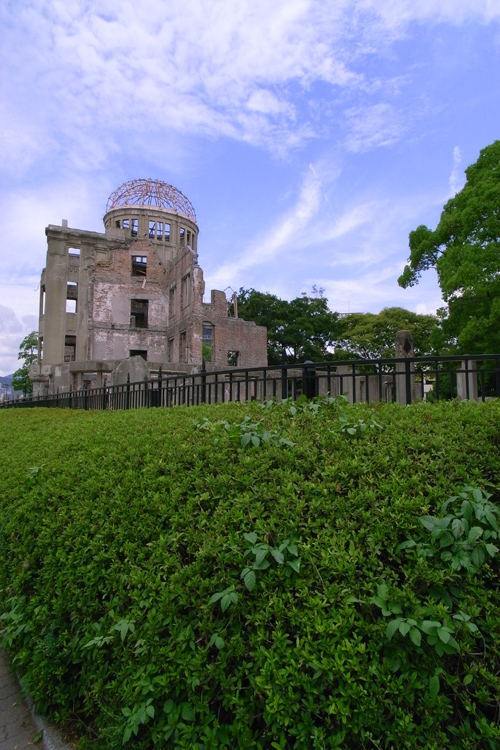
[151,193]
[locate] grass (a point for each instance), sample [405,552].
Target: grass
[118,529]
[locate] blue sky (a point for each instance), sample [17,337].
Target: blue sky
[311,135]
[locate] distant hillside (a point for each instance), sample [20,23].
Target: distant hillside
[6,379]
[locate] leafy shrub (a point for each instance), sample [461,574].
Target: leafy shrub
[116,529]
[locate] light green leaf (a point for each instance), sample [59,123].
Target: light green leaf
[392,627]
[382,591]
[249,579]
[468,679]
[168,706]
[187,712]
[491,549]
[429,626]
[478,556]
[474,534]
[415,636]
[278,556]
[404,628]
[251,537]
[406,545]
[434,686]
[444,635]
[294,564]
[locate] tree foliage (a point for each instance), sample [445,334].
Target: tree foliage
[301,329]
[28,352]
[465,251]
[371,336]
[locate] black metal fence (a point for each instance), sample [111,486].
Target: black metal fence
[402,380]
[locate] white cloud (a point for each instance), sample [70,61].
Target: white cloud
[456,177]
[374,125]
[287,230]
[242,70]
[12,332]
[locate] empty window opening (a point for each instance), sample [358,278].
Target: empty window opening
[170,350]
[232,359]
[182,235]
[159,230]
[139,313]
[139,265]
[152,229]
[69,348]
[74,252]
[134,228]
[189,238]
[71,296]
[182,347]
[40,348]
[207,342]
[42,300]
[139,353]
[185,290]
[171,301]
[126,223]
[118,224]
[167,232]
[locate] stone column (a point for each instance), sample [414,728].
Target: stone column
[405,371]
[467,372]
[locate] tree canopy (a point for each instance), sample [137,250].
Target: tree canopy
[28,352]
[370,336]
[301,329]
[465,251]
[305,328]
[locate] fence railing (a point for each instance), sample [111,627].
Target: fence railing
[402,380]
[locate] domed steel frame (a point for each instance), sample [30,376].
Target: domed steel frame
[151,193]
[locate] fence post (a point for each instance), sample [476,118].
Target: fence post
[309,382]
[467,380]
[203,382]
[127,400]
[158,393]
[284,384]
[405,377]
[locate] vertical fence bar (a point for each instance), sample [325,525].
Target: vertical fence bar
[284,383]
[408,382]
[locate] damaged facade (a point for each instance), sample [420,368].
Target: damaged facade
[134,290]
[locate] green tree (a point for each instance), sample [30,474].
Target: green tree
[301,329]
[465,251]
[370,336]
[28,352]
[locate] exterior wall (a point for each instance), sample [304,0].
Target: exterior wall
[96,270]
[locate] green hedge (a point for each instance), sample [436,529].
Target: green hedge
[119,530]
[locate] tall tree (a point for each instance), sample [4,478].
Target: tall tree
[301,329]
[28,352]
[370,336]
[465,250]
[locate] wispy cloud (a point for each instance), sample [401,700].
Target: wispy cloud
[456,177]
[12,332]
[286,231]
[214,67]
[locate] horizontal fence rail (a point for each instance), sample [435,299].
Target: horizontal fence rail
[403,380]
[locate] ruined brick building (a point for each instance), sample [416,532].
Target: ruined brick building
[136,289]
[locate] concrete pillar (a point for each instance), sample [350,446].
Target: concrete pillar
[405,371]
[467,372]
